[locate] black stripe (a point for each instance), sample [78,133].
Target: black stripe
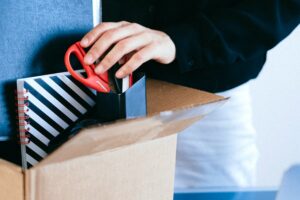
[33,154]
[45,117]
[29,165]
[71,92]
[38,142]
[41,129]
[83,87]
[47,102]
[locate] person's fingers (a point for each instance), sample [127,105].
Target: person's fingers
[121,61]
[126,58]
[94,34]
[122,48]
[140,57]
[109,38]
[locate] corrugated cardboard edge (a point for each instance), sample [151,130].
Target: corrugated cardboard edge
[29,184]
[11,181]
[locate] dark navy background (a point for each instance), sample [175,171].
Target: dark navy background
[34,36]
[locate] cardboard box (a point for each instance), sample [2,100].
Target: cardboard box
[132,159]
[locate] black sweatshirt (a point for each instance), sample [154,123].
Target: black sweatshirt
[220,43]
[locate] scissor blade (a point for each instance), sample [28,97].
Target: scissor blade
[105,89]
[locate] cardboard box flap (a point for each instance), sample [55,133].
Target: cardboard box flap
[185,111]
[163,96]
[138,172]
[11,181]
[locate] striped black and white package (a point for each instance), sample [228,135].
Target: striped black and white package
[47,106]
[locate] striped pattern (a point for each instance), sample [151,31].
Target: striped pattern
[55,103]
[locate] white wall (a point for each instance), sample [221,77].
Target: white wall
[276,99]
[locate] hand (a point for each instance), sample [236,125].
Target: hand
[130,44]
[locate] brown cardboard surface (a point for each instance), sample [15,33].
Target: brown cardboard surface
[143,171]
[162,96]
[132,159]
[11,181]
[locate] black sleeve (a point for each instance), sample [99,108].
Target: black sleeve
[234,34]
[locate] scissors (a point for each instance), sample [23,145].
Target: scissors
[97,82]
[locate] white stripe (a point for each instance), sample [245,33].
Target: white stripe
[37,149]
[77,90]
[51,99]
[31,160]
[125,84]
[47,111]
[96,12]
[42,123]
[65,95]
[38,135]
[52,75]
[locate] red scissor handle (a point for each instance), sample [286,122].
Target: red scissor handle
[94,81]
